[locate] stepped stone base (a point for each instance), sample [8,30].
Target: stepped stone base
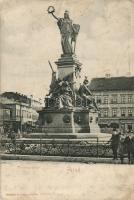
[58,135]
[66,60]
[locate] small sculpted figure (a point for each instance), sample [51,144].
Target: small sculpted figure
[86,95]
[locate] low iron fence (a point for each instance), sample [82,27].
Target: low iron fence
[57,147]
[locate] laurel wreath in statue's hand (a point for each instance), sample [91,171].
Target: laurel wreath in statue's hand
[51,9]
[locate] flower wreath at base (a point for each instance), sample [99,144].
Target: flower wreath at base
[66,119]
[77,119]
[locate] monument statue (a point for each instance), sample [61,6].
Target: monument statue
[68,31]
[69,105]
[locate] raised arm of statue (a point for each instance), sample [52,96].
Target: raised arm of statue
[51,11]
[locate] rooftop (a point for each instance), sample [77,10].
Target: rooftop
[112,83]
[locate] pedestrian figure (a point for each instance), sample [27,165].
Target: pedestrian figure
[115,143]
[132,149]
[13,137]
[9,134]
[122,149]
[127,142]
[19,134]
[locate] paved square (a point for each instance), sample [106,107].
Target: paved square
[33,180]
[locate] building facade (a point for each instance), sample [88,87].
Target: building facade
[17,115]
[115,99]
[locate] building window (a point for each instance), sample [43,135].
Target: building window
[114,112]
[11,114]
[129,127]
[6,114]
[130,99]
[24,113]
[98,99]
[123,99]
[17,113]
[96,120]
[27,115]
[114,99]
[105,113]
[123,112]
[106,99]
[1,114]
[130,112]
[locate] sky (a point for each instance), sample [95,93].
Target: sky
[29,37]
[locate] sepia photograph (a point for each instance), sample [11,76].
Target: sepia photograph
[66,99]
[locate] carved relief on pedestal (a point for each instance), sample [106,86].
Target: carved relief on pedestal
[66,119]
[77,118]
[48,119]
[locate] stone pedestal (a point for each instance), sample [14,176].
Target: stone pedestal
[69,69]
[81,120]
[65,121]
[57,121]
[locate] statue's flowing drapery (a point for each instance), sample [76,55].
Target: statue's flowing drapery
[69,32]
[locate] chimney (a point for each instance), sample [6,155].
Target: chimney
[107,75]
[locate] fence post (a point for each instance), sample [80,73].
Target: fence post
[14,144]
[68,146]
[40,146]
[97,147]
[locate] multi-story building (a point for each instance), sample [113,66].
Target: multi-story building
[115,99]
[22,116]
[16,112]
[17,97]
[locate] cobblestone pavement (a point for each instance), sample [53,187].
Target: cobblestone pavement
[63,159]
[36,180]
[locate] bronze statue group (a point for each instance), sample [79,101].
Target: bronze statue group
[63,95]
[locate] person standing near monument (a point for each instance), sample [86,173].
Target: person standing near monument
[128,142]
[115,143]
[12,136]
[122,148]
[132,149]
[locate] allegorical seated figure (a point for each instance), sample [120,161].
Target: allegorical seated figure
[86,95]
[65,96]
[60,94]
